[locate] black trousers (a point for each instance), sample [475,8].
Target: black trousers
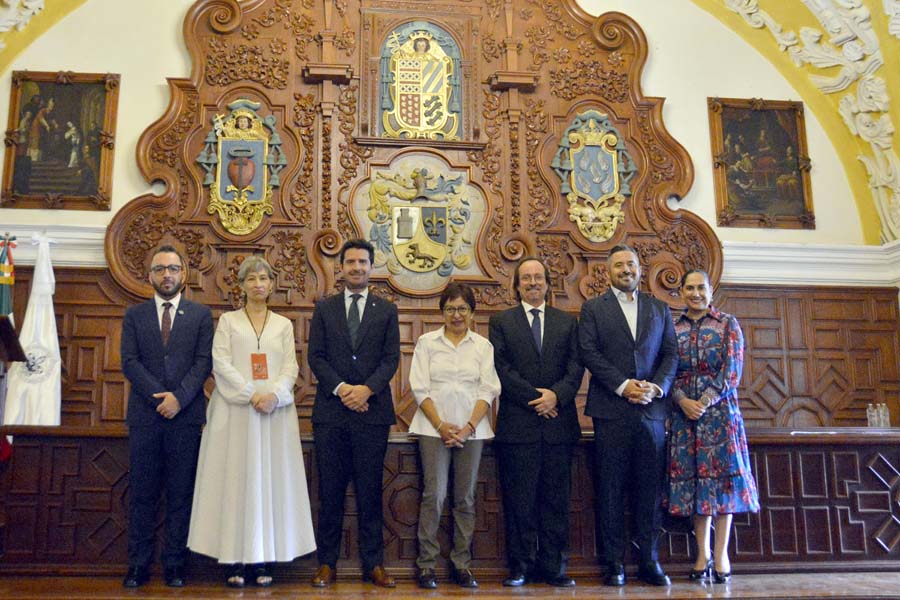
[344,454]
[535,479]
[629,457]
[161,457]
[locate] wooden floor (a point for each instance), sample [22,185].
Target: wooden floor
[771,587]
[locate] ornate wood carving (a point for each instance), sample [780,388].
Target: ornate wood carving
[814,357]
[528,68]
[827,505]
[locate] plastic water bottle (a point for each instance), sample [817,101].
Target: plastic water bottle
[871,416]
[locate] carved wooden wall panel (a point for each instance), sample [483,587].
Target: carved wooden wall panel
[524,73]
[814,356]
[828,503]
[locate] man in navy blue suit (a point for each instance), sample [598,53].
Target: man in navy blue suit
[629,347]
[167,357]
[354,350]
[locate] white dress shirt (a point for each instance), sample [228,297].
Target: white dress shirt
[455,378]
[630,308]
[361,303]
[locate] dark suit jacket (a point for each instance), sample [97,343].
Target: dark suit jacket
[611,355]
[373,362]
[180,367]
[522,370]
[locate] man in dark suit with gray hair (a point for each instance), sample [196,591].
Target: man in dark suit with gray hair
[166,357]
[628,345]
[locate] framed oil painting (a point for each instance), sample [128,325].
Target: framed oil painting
[60,140]
[761,163]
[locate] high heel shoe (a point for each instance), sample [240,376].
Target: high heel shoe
[702,574]
[721,577]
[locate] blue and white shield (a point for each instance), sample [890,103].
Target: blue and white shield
[594,174]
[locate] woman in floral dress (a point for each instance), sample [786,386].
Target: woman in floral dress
[709,464]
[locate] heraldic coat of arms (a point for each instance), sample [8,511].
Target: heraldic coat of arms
[595,169]
[422,217]
[420,86]
[242,158]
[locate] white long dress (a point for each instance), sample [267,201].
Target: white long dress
[251,503]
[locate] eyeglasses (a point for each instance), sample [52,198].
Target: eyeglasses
[460,310]
[160,269]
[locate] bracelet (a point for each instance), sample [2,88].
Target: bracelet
[438,428]
[469,423]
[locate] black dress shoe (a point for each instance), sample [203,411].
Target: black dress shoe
[175,576]
[560,581]
[427,579]
[702,574]
[136,577]
[653,574]
[464,578]
[615,575]
[721,577]
[515,579]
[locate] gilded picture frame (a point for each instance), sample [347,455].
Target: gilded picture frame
[59,140]
[761,165]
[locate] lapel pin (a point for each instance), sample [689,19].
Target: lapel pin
[180,312]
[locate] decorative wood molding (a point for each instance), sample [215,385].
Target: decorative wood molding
[826,506]
[811,264]
[744,262]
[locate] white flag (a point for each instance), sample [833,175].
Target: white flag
[34,388]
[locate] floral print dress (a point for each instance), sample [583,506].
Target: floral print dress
[709,463]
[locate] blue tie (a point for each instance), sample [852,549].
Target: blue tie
[536,327]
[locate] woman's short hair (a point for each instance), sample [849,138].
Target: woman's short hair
[691,272]
[456,290]
[253,264]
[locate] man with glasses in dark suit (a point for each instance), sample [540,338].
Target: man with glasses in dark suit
[536,357]
[166,357]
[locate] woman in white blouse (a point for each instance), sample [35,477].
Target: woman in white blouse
[251,505]
[454,382]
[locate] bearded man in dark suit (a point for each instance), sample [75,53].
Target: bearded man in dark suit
[354,350]
[536,357]
[167,357]
[628,345]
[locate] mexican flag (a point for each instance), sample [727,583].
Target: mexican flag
[7,279]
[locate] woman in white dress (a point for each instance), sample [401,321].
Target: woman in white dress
[251,505]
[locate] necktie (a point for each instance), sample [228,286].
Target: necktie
[166,322]
[353,317]
[536,327]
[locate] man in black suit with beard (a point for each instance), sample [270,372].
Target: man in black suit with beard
[628,345]
[354,350]
[166,357]
[536,357]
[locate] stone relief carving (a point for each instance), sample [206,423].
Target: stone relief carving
[892,10]
[853,46]
[17,14]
